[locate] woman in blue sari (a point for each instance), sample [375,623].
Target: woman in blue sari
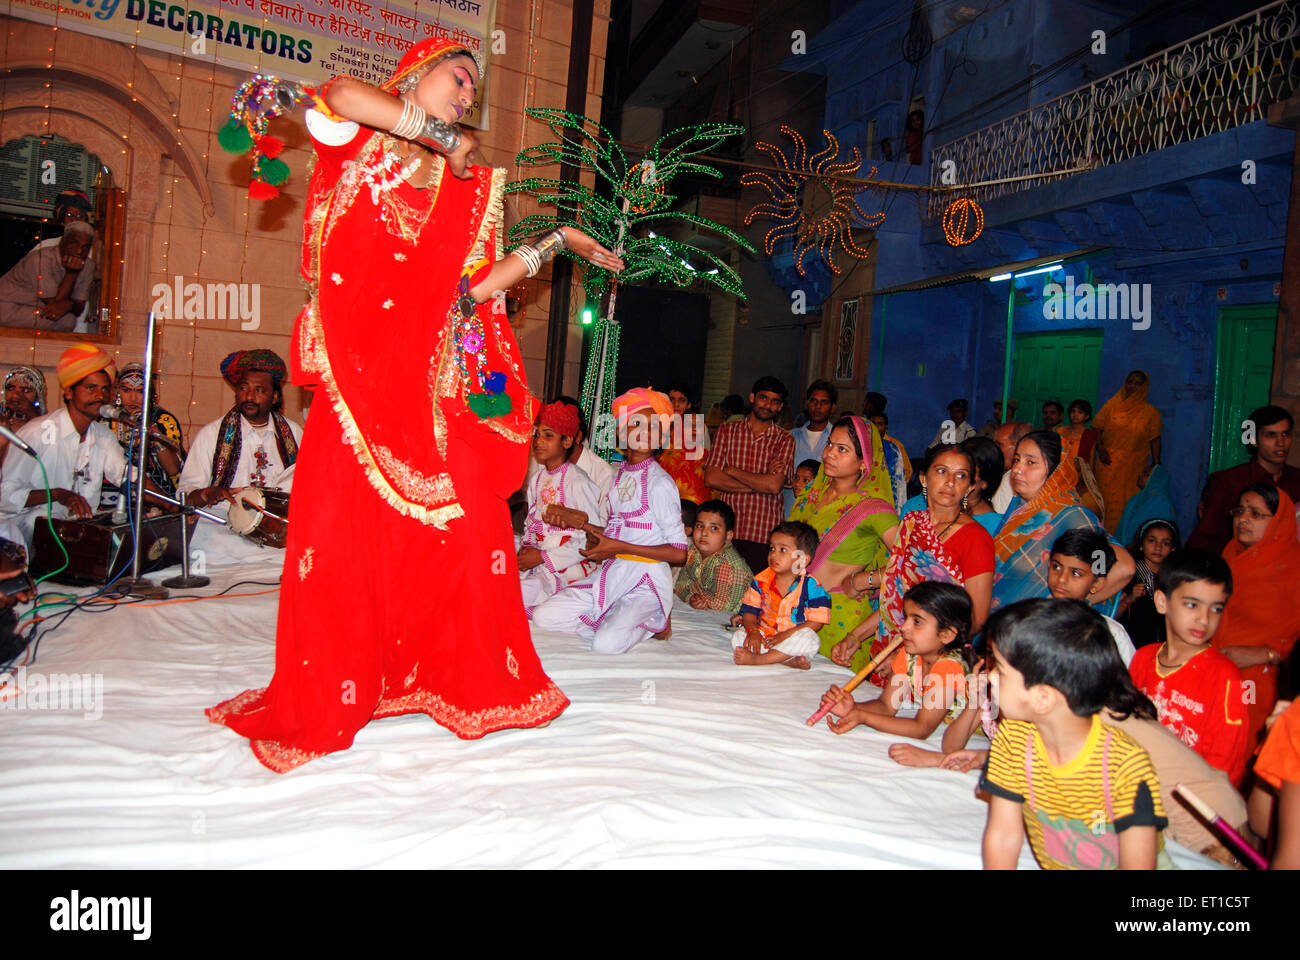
[1045,506]
[1151,502]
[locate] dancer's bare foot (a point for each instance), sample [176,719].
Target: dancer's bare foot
[799,663]
[667,631]
[744,658]
[910,755]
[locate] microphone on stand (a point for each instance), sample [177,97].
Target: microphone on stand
[110,412]
[17,441]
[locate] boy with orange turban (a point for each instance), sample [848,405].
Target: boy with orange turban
[628,599]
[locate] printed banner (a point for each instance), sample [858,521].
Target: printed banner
[307,40]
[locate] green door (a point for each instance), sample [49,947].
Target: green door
[1063,365]
[1243,374]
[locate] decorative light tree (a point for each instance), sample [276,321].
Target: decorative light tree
[639,201]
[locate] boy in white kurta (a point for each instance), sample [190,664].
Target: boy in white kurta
[549,557]
[628,599]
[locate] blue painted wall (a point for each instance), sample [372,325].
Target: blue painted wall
[1180,219]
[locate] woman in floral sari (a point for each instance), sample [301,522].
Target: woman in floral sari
[851,506]
[942,542]
[1045,506]
[1130,439]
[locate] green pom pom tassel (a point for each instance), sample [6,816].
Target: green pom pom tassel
[234,137]
[487,406]
[273,171]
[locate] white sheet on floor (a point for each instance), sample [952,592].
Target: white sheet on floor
[670,756]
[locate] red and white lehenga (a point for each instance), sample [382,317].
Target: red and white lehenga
[400,587]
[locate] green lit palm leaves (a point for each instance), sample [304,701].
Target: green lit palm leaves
[632,221]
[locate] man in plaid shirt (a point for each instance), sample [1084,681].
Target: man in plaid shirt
[750,465]
[715,576]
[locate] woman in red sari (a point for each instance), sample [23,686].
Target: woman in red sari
[1262,619]
[400,591]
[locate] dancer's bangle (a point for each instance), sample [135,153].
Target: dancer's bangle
[411,123]
[440,135]
[531,258]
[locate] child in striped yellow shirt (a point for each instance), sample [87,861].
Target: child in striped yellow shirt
[1083,791]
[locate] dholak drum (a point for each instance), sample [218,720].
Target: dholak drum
[261,516]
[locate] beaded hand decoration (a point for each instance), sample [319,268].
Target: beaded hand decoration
[253,107]
[490,400]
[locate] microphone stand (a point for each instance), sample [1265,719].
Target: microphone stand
[139,586]
[186,581]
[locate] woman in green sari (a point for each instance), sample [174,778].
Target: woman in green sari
[851,506]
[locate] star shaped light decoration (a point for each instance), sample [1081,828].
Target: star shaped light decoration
[825,231]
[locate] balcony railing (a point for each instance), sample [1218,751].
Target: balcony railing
[1217,80]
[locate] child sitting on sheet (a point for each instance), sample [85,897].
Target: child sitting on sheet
[784,606]
[1175,762]
[715,575]
[928,671]
[549,557]
[1085,793]
[804,474]
[1197,690]
[628,599]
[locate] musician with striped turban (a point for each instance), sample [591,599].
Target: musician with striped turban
[253,444]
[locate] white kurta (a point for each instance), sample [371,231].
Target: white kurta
[600,473]
[626,601]
[562,563]
[198,463]
[71,463]
[219,544]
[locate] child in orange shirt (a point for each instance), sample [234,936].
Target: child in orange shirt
[928,670]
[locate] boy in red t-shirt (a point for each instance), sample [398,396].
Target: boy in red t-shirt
[1196,689]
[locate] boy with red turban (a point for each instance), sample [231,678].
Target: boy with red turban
[549,557]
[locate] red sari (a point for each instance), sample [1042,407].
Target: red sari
[400,591]
[1262,611]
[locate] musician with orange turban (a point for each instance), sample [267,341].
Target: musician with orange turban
[79,451]
[395,596]
[629,598]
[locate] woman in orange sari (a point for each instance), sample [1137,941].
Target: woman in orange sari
[1130,438]
[1262,619]
[390,601]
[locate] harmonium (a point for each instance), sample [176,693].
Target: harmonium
[99,550]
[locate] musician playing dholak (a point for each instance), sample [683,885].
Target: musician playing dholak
[253,444]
